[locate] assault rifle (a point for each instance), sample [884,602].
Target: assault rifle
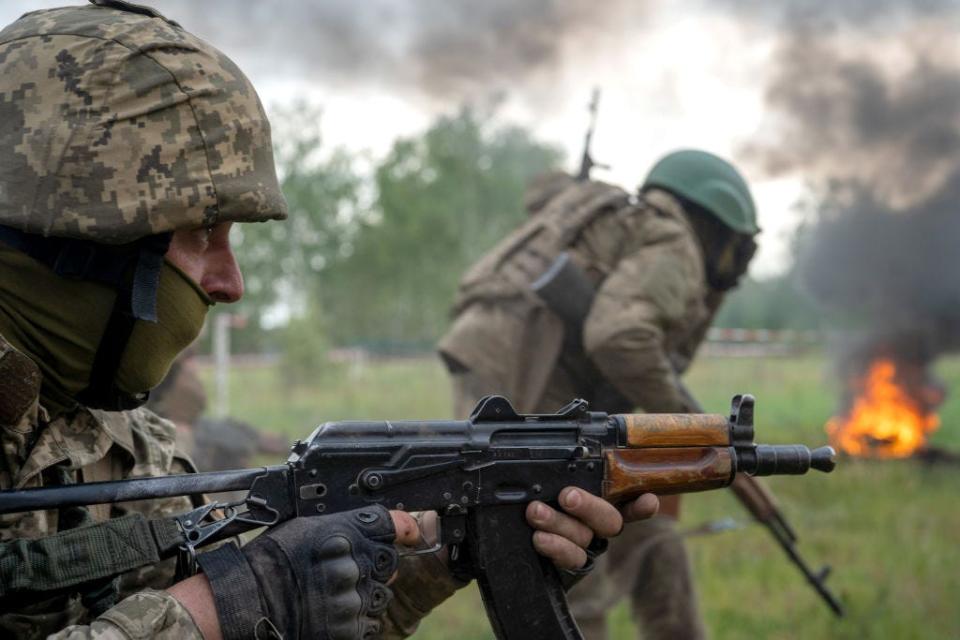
[477,474]
[567,291]
[586,160]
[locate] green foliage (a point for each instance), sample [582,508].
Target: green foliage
[282,262]
[443,199]
[774,303]
[305,347]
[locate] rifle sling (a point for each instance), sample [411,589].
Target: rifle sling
[87,553]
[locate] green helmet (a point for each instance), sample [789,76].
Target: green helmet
[709,181]
[116,124]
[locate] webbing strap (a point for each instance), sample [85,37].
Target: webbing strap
[84,554]
[235,591]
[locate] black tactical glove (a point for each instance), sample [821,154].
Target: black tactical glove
[319,577]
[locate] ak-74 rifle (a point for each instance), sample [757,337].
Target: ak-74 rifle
[567,290]
[586,160]
[477,474]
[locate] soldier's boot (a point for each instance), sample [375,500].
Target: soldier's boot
[663,599]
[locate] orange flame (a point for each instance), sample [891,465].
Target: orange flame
[884,421]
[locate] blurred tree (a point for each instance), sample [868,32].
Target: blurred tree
[304,347]
[443,199]
[283,263]
[771,303]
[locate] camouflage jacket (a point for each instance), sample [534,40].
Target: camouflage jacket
[651,310]
[95,446]
[90,446]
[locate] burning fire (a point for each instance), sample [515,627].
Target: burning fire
[885,420]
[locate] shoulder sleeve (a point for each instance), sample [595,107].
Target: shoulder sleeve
[653,290]
[148,614]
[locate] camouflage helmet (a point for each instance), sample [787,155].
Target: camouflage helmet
[709,181]
[116,124]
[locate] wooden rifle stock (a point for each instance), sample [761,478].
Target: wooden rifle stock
[669,453]
[631,473]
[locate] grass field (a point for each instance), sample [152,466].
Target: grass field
[891,529]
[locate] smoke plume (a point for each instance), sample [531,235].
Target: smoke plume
[865,102]
[450,50]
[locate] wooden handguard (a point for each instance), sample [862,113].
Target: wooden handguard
[630,473]
[676,430]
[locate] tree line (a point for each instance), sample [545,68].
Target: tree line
[374,248]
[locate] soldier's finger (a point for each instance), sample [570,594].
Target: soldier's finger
[408,533]
[598,514]
[542,517]
[563,553]
[646,506]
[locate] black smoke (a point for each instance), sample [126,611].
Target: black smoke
[451,50]
[864,101]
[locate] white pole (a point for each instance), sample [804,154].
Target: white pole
[221,358]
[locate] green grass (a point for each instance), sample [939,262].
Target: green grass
[889,528]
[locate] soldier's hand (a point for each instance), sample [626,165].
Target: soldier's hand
[324,576]
[563,536]
[408,532]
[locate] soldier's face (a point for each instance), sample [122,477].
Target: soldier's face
[205,255]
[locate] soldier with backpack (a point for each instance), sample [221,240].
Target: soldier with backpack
[660,263]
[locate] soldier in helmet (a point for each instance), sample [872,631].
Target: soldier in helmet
[660,265]
[128,148]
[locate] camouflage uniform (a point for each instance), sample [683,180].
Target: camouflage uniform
[650,313]
[117,126]
[91,446]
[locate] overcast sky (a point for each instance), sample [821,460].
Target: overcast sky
[673,75]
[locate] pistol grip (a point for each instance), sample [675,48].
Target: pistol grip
[521,589]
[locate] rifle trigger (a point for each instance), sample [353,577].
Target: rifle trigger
[451,529]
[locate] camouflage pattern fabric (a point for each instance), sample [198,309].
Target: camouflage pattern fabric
[650,314]
[90,445]
[651,301]
[149,614]
[116,125]
[544,188]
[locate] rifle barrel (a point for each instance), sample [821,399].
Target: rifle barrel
[18,500]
